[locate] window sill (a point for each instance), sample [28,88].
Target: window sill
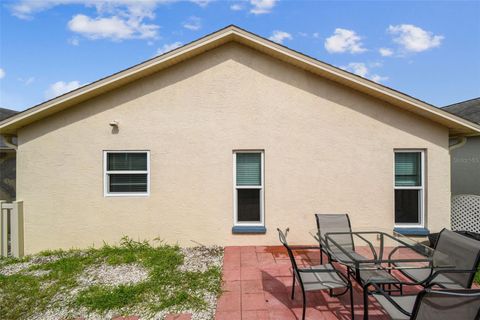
[249,230]
[409,231]
[113,195]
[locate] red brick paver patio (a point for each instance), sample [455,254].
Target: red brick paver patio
[257,286]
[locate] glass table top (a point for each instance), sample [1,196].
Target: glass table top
[369,250]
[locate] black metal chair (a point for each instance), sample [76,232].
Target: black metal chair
[429,304]
[330,223]
[334,223]
[463,252]
[315,278]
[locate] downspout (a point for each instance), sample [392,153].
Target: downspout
[8,142]
[459,144]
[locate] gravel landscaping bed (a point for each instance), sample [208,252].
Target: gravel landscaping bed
[134,278]
[105,274]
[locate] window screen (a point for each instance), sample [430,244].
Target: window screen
[126,173]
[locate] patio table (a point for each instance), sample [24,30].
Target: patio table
[376,253]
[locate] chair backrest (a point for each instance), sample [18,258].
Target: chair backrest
[447,305]
[283,239]
[335,223]
[464,253]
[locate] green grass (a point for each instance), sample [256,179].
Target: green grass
[477,277]
[166,288]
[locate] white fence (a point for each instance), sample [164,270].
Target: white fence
[11,227]
[466,213]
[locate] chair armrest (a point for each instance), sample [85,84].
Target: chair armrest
[403,283]
[393,302]
[315,270]
[434,284]
[395,250]
[429,280]
[293,248]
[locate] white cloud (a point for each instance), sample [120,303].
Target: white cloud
[344,40]
[361,69]
[60,87]
[28,81]
[2,73]
[201,3]
[413,38]
[168,47]
[378,78]
[115,28]
[26,9]
[193,23]
[385,52]
[236,7]
[262,6]
[279,36]
[74,41]
[114,19]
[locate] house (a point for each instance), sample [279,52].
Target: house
[465,167]
[7,163]
[223,140]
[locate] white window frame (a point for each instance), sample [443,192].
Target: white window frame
[107,173]
[237,223]
[421,189]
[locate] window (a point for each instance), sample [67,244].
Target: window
[248,188]
[409,188]
[126,173]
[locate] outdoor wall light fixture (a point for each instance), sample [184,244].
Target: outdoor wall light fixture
[114,124]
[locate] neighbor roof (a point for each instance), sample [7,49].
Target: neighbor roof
[469,109]
[456,125]
[5,113]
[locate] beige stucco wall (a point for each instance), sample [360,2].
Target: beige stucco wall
[327,149]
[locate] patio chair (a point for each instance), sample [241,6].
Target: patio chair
[341,223]
[315,278]
[334,223]
[431,304]
[464,253]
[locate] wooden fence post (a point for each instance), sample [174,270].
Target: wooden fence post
[16,230]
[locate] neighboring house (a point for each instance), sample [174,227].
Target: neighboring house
[466,158]
[223,140]
[7,163]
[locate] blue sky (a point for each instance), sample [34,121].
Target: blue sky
[427,49]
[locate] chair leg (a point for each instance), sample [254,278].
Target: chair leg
[304,304]
[351,302]
[365,303]
[293,287]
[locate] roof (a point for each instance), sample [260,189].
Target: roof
[456,125]
[5,113]
[469,110]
